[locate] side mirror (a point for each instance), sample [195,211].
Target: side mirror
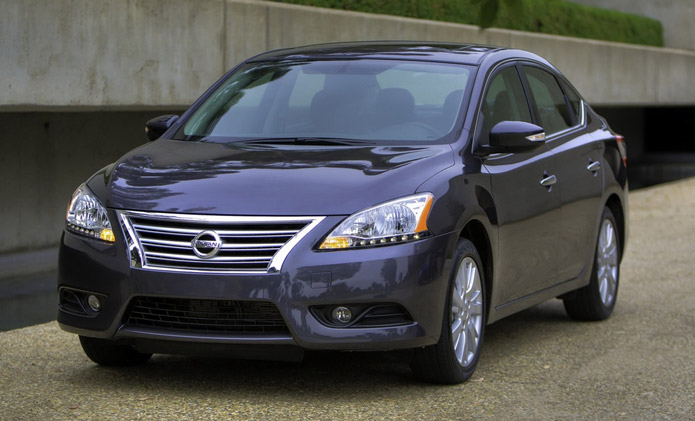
[156,127]
[514,136]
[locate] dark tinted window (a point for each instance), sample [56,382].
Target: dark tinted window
[550,100]
[574,100]
[504,101]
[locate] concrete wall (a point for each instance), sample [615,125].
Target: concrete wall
[145,53]
[677,17]
[104,53]
[45,156]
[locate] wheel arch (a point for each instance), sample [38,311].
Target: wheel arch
[475,232]
[616,206]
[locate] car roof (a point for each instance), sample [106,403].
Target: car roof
[400,50]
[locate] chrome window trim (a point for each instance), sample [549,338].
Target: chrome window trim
[138,260]
[580,125]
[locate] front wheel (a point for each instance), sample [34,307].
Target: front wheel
[453,359]
[597,300]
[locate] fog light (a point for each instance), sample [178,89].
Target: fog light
[342,314]
[94,303]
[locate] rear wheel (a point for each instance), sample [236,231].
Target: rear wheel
[454,358]
[105,352]
[597,300]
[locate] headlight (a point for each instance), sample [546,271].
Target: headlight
[392,222]
[87,216]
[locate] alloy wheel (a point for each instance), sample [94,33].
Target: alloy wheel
[607,262]
[466,311]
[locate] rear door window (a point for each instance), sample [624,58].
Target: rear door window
[553,111]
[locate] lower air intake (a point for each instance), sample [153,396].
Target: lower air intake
[212,316]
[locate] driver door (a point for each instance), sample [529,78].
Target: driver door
[528,213]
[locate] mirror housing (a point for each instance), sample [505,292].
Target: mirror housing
[156,127]
[514,136]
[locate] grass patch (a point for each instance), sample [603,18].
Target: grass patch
[556,17]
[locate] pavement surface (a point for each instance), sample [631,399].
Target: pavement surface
[538,364]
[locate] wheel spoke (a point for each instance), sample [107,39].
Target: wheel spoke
[471,342]
[610,278]
[456,327]
[457,304]
[609,234]
[470,276]
[612,257]
[601,272]
[460,284]
[460,346]
[472,332]
[476,308]
[605,235]
[472,294]
[604,290]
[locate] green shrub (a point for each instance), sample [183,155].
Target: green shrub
[557,17]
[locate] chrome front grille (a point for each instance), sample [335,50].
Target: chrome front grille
[211,243]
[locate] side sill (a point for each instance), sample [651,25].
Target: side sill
[519,304]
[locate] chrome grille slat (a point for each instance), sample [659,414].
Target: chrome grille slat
[252,246]
[164,241]
[177,244]
[194,231]
[246,268]
[186,245]
[208,263]
[196,258]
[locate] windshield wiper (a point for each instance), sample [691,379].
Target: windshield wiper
[320,141]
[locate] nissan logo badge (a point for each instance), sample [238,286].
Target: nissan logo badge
[206,244]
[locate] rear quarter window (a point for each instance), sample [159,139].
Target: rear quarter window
[576,106]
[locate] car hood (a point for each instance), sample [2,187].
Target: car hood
[251,179]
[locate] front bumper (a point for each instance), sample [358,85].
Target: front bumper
[413,275]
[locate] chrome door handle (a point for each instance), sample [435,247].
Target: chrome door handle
[548,181]
[594,166]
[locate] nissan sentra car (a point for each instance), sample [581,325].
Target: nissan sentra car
[350,196]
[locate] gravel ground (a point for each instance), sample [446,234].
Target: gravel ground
[538,364]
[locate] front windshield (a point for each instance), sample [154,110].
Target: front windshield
[370,100]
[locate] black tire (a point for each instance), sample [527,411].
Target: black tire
[588,303]
[439,363]
[109,353]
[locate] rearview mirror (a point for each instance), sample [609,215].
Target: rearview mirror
[156,127]
[514,136]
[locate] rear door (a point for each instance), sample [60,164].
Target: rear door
[579,174]
[528,213]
